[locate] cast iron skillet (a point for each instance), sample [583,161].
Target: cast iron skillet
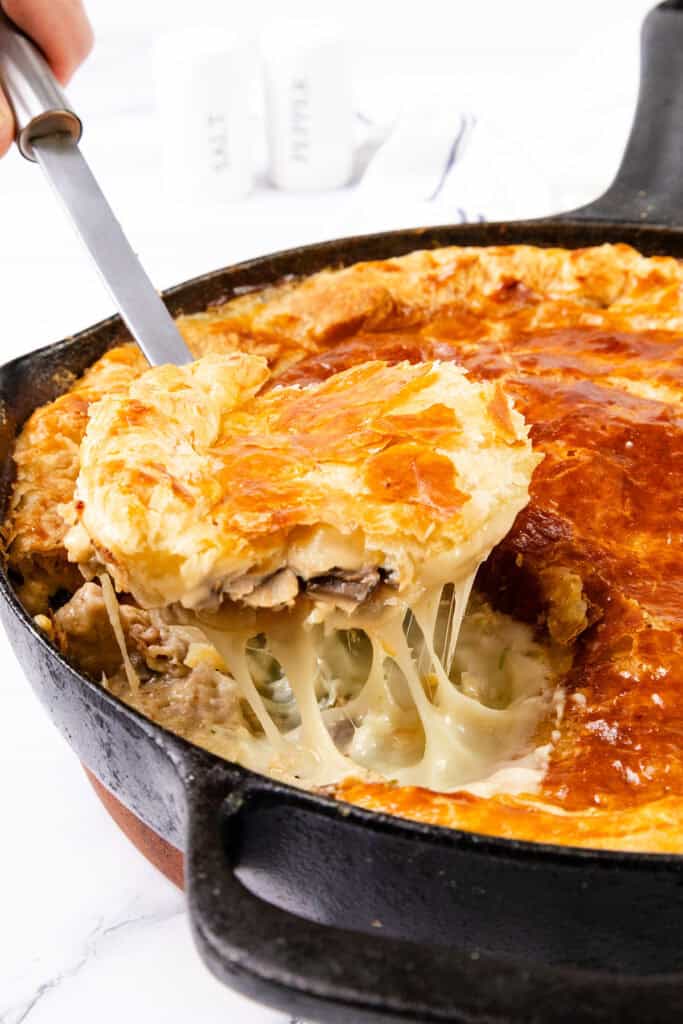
[326,910]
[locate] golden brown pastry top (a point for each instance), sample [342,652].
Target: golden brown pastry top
[192,484]
[46,456]
[590,344]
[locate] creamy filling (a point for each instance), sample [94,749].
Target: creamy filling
[421,693]
[368,694]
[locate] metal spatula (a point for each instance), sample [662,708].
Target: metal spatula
[48,132]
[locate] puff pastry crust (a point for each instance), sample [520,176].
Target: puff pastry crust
[193,485]
[46,458]
[589,344]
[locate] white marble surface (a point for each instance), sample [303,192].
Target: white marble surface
[89,930]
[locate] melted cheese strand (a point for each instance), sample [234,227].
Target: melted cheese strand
[456,613]
[232,648]
[111,605]
[299,664]
[425,612]
[374,692]
[444,750]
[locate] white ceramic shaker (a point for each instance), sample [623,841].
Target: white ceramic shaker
[203,78]
[308,104]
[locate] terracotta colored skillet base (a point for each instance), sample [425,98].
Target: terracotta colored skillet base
[158,852]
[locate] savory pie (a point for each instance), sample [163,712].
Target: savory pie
[269,551]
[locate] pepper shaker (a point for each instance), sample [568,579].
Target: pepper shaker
[308,104]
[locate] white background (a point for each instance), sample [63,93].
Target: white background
[90,931]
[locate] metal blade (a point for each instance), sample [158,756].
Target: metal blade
[144,313]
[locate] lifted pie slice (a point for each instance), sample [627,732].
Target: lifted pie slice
[199,485]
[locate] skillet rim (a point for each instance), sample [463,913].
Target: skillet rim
[178,748]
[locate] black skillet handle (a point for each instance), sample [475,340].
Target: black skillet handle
[314,971]
[648,188]
[325,973]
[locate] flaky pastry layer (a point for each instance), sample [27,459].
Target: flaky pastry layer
[589,344]
[194,485]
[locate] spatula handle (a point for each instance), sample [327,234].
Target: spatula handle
[39,105]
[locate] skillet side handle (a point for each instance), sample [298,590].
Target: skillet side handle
[292,964]
[648,188]
[334,976]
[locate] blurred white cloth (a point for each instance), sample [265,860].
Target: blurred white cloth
[441,166]
[418,153]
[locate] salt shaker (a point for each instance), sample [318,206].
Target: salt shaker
[308,104]
[203,79]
